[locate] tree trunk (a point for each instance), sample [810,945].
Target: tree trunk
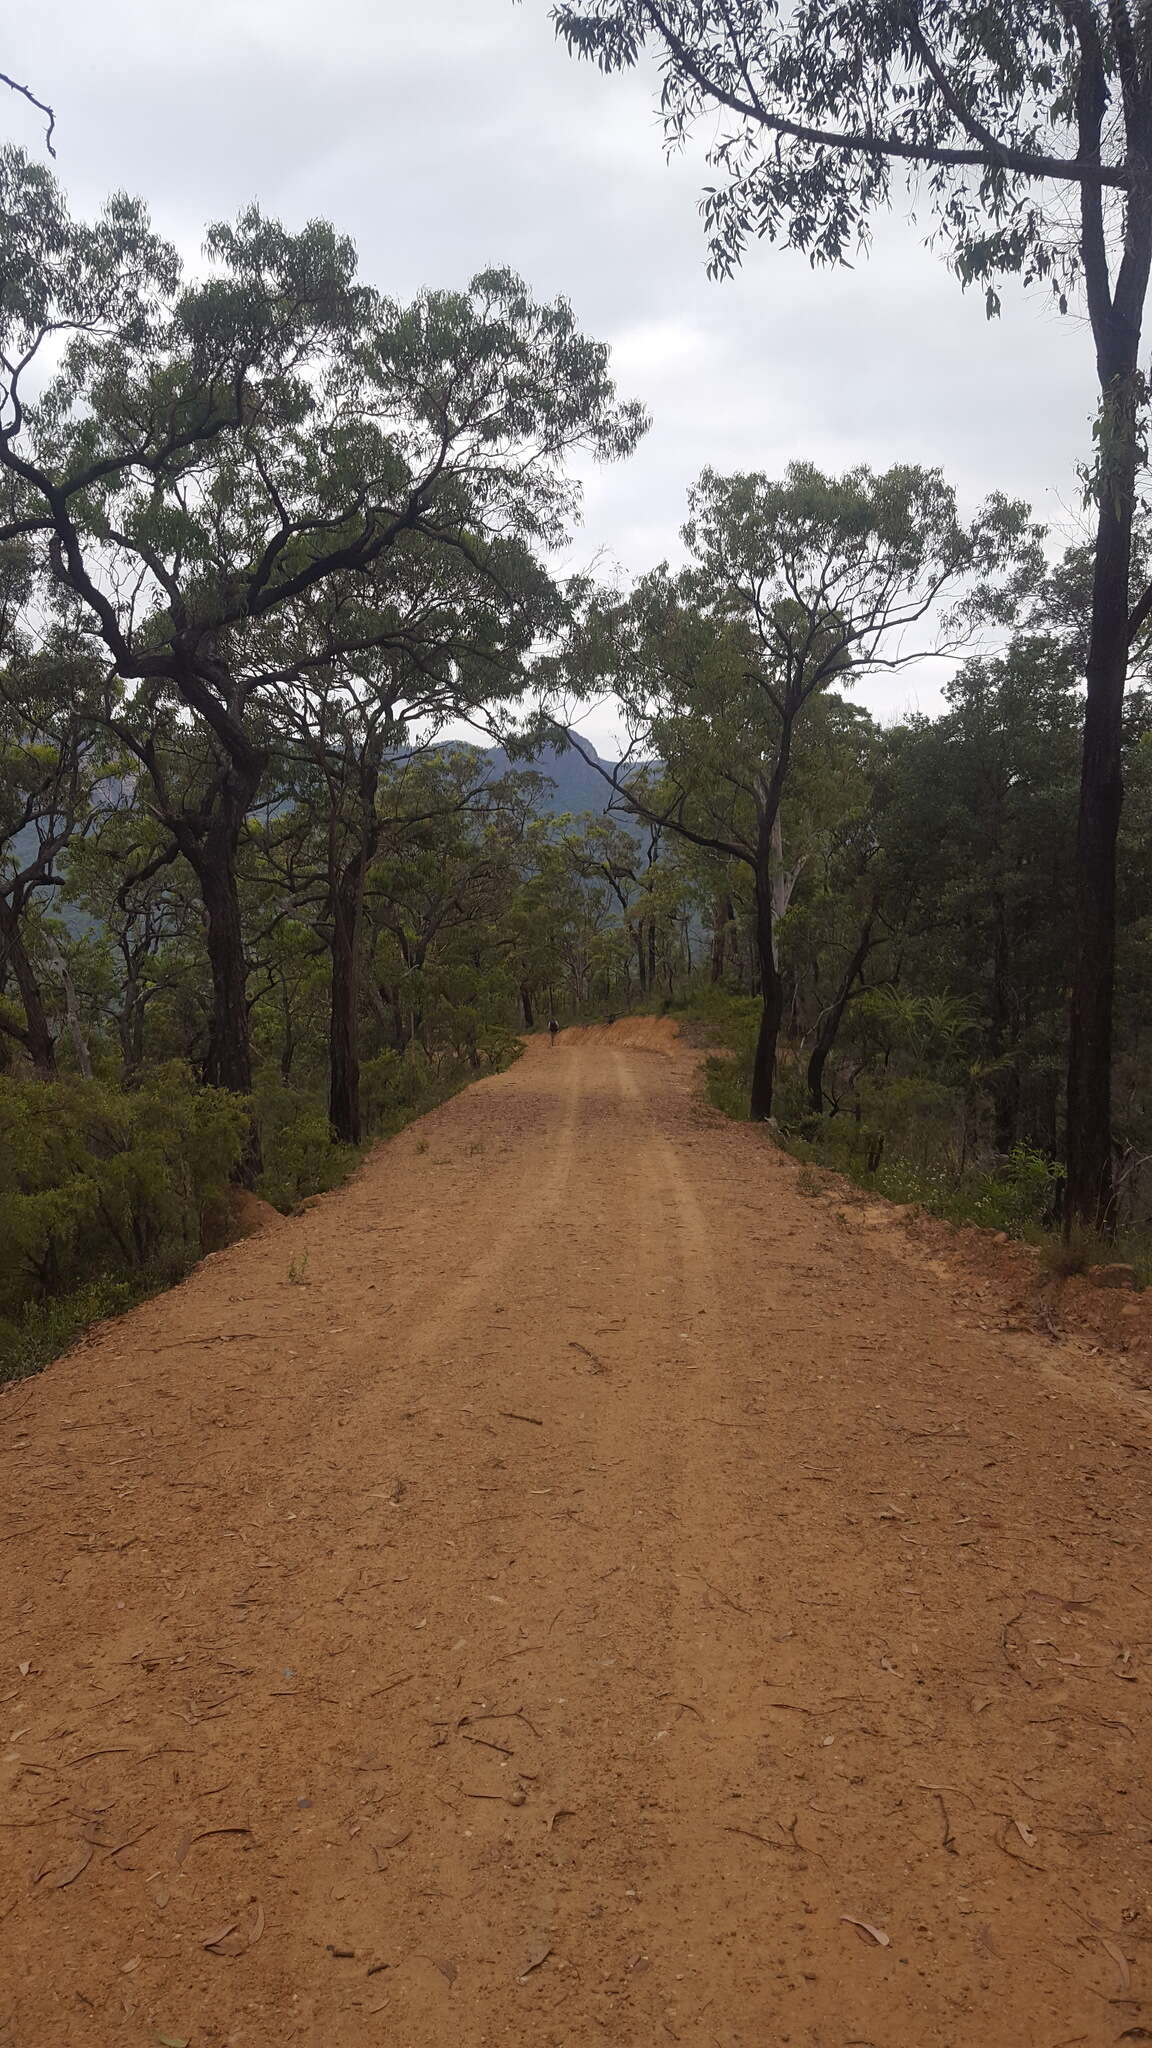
[1089,1134]
[228,1060]
[344,1007]
[834,1015]
[211,853]
[764,932]
[36,1037]
[72,1012]
[783,882]
[130,1025]
[346,895]
[526,1009]
[1116,314]
[772,1003]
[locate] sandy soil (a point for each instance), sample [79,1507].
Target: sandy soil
[569,1586]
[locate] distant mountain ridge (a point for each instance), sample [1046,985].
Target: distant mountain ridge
[576,785]
[572,786]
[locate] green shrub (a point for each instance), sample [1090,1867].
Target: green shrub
[906,1136]
[101,1196]
[395,1087]
[298,1153]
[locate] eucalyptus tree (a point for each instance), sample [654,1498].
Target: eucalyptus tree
[142,910]
[544,912]
[792,585]
[209,453]
[50,760]
[439,632]
[442,907]
[606,852]
[979,836]
[1027,126]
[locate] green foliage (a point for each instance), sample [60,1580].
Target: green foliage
[102,1195]
[43,1329]
[906,1138]
[815,112]
[298,1154]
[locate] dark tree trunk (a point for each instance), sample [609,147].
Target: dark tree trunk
[764,934]
[1116,314]
[1089,1134]
[228,1060]
[36,1037]
[211,852]
[834,1015]
[212,855]
[772,1000]
[652,954]
[130,1026]
[526,1009]
[347,885]
[344,1009]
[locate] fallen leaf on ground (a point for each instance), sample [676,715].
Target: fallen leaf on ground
[221,1934]
[71,1871]
[448,1971]
[875,1934]
[1025,1833]
[172,2041]
[537,1954]
[1122,1965]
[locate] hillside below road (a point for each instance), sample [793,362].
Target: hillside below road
[565,1587]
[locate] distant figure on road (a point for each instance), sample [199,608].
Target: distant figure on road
[553,1028]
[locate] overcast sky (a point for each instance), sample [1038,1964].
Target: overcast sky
[447,135]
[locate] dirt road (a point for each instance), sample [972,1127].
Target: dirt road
[568,1586]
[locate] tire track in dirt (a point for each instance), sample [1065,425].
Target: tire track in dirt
[604,1574]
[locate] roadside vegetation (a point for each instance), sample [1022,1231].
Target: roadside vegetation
[272,541]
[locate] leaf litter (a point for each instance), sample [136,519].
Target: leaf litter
[875,1934]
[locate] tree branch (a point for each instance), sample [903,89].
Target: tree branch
[868,143]
[25,92]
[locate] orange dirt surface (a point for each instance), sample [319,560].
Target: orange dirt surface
[567,1586]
